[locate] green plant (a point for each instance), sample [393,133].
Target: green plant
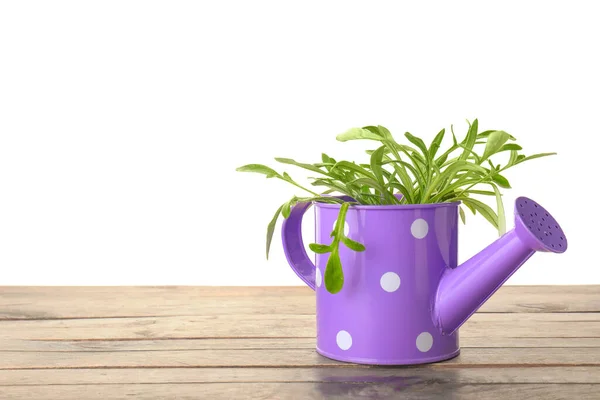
[404,174]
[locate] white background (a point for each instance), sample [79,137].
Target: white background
[122,123]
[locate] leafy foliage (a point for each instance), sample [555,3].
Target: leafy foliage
[404,174]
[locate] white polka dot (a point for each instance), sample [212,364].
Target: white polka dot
[346,227]
[419,228]
[390,281]
[344,340]
[318,278]
[424,341]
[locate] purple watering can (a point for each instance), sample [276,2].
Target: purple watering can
[404,297]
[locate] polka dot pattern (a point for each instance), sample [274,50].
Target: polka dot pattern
[390,282]
[424,342]
[393,282]
[318,277]
[419,228]
[344,340]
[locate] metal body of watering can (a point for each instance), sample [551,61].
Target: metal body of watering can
[404,297]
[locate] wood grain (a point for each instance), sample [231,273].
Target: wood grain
[563,325]
[282,358]
[430,373]
[100,302]
[302,390]
[258,343]
[261,343]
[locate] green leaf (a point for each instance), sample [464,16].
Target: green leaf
[403,190]
[286,177]
[461,166]
[513,158]
[328,162]
[417,175]
[450,189]
[522,158]
[406,165]
[419,143]
[413,154]
[259,169]
[501,181]
[483,209]
[442,159]
[383,131]
[376,159]
[510,146]
[487,133]
[448,175]
[389,176]
[472,154]
[375,185]
[500,208]
[469,141]
[482,192]
[387,135]
[285,210]
[436,143]
[357,134]
[454,141]
[354,168]
[352,245]
[334,185]
[319,248]
[309,167]
[321,199]
[271,229]
[407,182]
[417,161]
[418,169]
[494,143]
[470,207]
[334,274]
[461,212]
[450,161]
[328,191]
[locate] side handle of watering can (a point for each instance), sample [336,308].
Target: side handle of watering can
[293,247]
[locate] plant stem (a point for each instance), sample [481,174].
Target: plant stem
[470,186]
[301,187]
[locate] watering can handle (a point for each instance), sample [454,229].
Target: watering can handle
[293,247]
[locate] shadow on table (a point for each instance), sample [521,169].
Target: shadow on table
[387,382]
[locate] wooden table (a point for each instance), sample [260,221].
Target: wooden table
[258,343]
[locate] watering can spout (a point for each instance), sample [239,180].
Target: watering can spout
[462,290]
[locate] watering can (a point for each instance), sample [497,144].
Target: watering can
[404,297]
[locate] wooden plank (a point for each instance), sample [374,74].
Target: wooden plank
[58,303]
[162,327]
[91,302]
[431,374]
[293,391]
[248,291]
[256,326]
[574,356]
[222,343]
[259,343]
[544,299]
